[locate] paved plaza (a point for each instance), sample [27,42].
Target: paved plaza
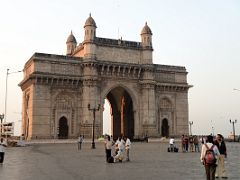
[149,161]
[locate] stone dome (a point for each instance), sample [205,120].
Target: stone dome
[71,38]
[146,30]
[90,21]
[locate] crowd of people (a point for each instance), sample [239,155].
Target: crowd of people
[213,151]
[212,156]
[117,151]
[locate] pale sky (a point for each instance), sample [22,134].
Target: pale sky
[203,36]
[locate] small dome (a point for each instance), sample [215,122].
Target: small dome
[71,38]
[146,29]
[90,21]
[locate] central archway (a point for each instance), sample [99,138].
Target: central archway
[122,115]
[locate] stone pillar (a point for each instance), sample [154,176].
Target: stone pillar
[41,111]
[90,95]
[182,113]
[148,108]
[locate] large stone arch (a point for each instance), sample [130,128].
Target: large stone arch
[130,125]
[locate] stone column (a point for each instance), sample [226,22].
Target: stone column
[148,108]
[90,95]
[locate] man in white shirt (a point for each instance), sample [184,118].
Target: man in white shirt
[171,144]
[2,150]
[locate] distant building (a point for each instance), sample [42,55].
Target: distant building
[145,98]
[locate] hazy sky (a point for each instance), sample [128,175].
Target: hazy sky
[203,36]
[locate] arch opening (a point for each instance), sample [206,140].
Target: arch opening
[120,119]
[63,128]
[165,128]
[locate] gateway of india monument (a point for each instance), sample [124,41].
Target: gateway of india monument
[59,91]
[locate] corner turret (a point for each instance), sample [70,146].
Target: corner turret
[89,36]
[71,44]
[146,43]
[90,29]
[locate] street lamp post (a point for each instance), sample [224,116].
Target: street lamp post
[93,125]
[6,91]
[233,123]
[190,123]
[1,118]
[212,130]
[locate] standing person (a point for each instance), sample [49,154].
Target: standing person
[127,148]
[108,147]
[208,157]
[219,142]
[191,143]
[186,141]
[183,143]
[196,143]
[2,150]
[80,141]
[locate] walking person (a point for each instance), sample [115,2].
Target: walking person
[208,157]
[2,150]
[220,170]
[80,141]
[127,147]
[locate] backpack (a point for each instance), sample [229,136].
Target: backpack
[209,157]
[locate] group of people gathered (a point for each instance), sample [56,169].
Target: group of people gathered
[213,153]
[190,143]
[117,151]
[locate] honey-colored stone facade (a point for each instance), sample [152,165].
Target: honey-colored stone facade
[145,98]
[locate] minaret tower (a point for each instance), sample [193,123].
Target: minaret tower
[71,44]
[89,36]
[146,42]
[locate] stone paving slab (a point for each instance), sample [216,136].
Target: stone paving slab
[60,161]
